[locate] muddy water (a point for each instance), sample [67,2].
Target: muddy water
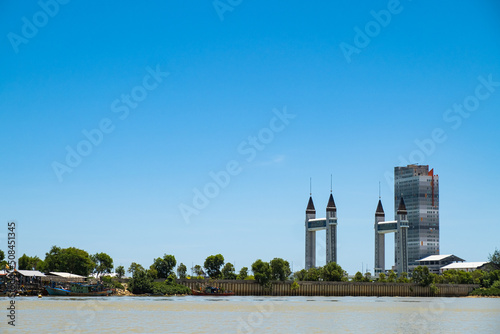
[253,315]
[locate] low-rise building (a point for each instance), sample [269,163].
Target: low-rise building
[464,266]
[436,262]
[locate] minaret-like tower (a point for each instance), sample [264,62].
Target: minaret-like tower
[401,243]
[310,236]
[331,230]
[379,240]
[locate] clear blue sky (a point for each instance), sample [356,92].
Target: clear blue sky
[357,114]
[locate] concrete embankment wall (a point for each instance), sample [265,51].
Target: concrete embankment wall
[250,288]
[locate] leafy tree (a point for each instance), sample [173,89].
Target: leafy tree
[495,259]
[103,263]
[3,263]
[392,276]
[403,278]
[120,271]
[198,270]
[381,277]
[358,277]
[141,282]
[332,272]
[152,272]
[171,279]
[243,273]
[135,267]
[280,269]
[213,264]
[181,271]
[52,259]
[421,276]
[72,260]
[300,275]
[368,277]
[23,263]
[228,272]
[262,272]
[29,263]
[314,274]
[165,265]
[76,261]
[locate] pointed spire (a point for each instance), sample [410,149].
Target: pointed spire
[331,204]
[310,206]
[380,209]
[402,207]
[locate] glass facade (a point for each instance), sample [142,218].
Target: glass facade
[419,188]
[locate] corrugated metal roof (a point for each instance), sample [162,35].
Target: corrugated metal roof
[464,265]
[65,275]
[439,258]
[31,273]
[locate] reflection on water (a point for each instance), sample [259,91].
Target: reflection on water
[197,314]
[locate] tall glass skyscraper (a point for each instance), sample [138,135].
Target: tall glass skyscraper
[419,188]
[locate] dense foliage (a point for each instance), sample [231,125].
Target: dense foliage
[213,265]
[103,263]
[243,273]
[164,288]
[493,290]
[182,270]
[112,282]
[134,267]
[164,266]
[330,272]
[30,263]
[228,272]
[262,272]
[422,276]
[71,260]
[120,271]
[280,269]
[143,283]
[198,271]
[3,263]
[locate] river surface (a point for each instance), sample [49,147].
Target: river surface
[198,314]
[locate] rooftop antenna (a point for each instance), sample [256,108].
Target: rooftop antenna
[331,183]
[378,189]
[310,186]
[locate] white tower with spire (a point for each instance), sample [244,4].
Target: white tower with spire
[379,240]
[331,230]
[310,235]
[400,229]
[314,224]
[401,243]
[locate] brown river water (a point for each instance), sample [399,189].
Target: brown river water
[199,314]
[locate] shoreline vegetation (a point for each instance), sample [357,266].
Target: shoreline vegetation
[161,279]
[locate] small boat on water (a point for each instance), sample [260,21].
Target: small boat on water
[211,291]
[79,289]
